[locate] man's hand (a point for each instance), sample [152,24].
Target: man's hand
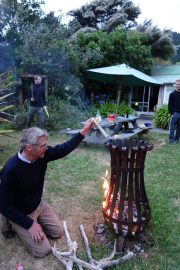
[36,232]
[87,127]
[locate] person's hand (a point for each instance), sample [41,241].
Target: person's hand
[36,232]
[87,127]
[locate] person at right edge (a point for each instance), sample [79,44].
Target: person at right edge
[174,110]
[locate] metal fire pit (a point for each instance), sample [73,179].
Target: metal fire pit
[126,206]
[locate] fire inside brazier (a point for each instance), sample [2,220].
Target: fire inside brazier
[126,208]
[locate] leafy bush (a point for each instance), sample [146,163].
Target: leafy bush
[110,108]
[162,117]
[20,118]
[6,86]
[61,115]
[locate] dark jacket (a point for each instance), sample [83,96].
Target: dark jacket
[174,102]
[37,92]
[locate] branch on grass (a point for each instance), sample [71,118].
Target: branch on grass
[69,257]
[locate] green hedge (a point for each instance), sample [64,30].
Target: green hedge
[162,117]
[110,108]
[61,115]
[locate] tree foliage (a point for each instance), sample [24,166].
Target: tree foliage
[176,41]
[105,15]
[102,49]
[101,33]
[160,41]
[15,15]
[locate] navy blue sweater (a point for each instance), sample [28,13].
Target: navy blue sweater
[22,183]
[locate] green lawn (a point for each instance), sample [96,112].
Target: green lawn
[74,188]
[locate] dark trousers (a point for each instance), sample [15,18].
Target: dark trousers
[40,116]
[174,125]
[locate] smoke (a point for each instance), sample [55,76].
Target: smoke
[6,57]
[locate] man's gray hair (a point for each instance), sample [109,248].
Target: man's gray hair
[31,136]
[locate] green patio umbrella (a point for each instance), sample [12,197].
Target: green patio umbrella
[122,75]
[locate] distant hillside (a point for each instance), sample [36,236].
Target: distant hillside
[176,41]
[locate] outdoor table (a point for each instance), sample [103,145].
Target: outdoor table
[120,128]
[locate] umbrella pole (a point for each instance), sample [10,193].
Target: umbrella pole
[119,90]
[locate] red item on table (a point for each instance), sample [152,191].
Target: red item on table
[111,117]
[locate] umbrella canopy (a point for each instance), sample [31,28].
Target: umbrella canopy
[122,75]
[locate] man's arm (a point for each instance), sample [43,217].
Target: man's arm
[61,150]
[170,104]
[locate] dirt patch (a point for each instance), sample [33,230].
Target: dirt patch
[73,212]
[176,202]
[159,144]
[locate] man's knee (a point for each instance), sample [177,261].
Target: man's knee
[6,227]
[58,233]
[42,251]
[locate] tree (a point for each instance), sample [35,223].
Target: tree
[14,17]
[48,52]
[160,41]
[102,49]
[105,15]
[176,41]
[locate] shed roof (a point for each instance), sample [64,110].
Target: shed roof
[166,74]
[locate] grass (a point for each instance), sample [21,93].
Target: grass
[73,187]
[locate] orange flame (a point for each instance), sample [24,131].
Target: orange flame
[105,187]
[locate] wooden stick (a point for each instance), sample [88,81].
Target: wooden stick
[77,261]
[69,258]
[61,259]
[117,261]
[101,129]
[86,243]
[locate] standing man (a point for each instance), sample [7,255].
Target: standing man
[174,110]
[21,188]
[37,102]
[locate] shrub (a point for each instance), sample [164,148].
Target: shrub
[61,115]
[6,87]
[110,108]
[162,117]
[20,117]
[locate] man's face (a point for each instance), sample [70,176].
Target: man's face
[37,80]
[178,85]
[38,150]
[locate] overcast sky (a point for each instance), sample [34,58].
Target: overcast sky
[164,14]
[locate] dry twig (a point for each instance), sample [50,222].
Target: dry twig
[69,258]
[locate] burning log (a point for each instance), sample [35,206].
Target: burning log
[69,258]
